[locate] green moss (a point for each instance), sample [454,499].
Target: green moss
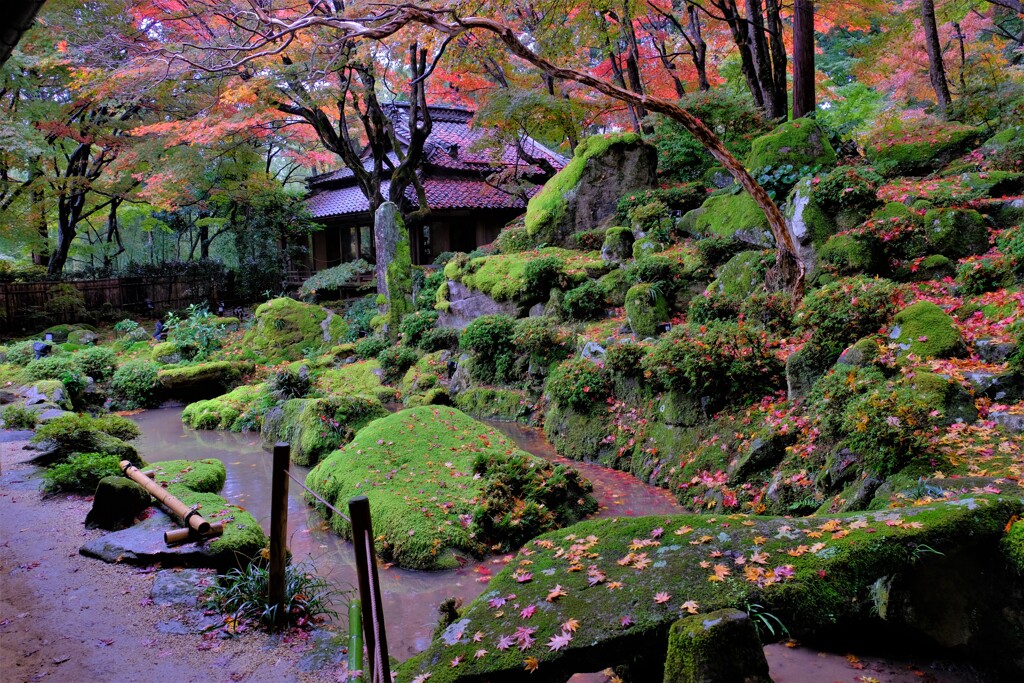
[361,378]
[417,469]
[1013,546]
[954,402]
[506,277]
[847,255]
[795,143]
[495,404]
[316,426]
[615,285]
[720,646]
[577,436]
[918,152]
[165,353]
[202,476]
[285,330]
[221,371]
[956,232]
[547,208]
[935,267]
[618,244]
[895,210]
[735,216]
[71,434]
[925,330]
[646,307]
[51,389]
[424,376]
[809,590]
[238,410]
[398,275]
[646,247]
[743,274]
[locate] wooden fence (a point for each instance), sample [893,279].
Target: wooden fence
[28,304]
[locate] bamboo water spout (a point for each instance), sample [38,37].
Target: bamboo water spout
[188,516]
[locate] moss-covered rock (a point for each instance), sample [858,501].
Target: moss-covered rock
[239,410]
[926,148]
[626,581]
[219,373]
[166,353]
[934,267]
[955,403]
[618,245]
[423,377]
[70,434]
[646,308]
[495,404]
[83,337]
[847,255]
[603,168]
[738,217]
[1013,546]
[743,274]
[47,391]
[523,277]
[361,378]
[577,436]
[956,232]
[895,210]
[417,468]
[615,285]
[926,331]
[795,143]
[116,503]
[1005,149]
[718,647]
[285,329]
[316,426]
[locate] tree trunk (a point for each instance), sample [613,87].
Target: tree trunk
[804,101]
[936,70]
[41,254]
[394,265]
[700,48]
[777,46]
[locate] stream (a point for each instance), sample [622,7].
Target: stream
[411,597]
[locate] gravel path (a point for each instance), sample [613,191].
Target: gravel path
[71,618]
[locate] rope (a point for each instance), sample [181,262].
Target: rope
[314,494]
[378,670]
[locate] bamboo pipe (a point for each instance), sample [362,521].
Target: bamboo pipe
[182,535]
[188,516]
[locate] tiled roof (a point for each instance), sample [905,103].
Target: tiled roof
[442,194]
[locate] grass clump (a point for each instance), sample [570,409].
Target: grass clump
[244,593]
[17,416]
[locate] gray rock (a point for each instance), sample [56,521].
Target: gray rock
[466,305]
[1011,422]
[33,395]
[51,413]
[460,380]
[180,587]
[455,632]
[994,352]
[143,545]
[536,311]
[593,351]
[1005,387]
[326,651]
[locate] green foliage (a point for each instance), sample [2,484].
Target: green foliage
[130,329]
[586,302]
[779,180]
[665,272]
[513,239]
[426,297]
[196,334]
[646,308]
[98,362]
[394,361]
[542,340]
[889,426]
[135,384]
[439,339]
[245,594]
[1005,149]
[326,284]
[357,317]
[625,360]
[681,198]
[65,299]
[731,115]
[579,384]
[715,250]
[743,274]
[853,110]
[370,347]
[792,145]
[490,339]
[525,496]
[842,312]
[16,416]
[417,324]
[51,367]
[848,189]
[918,146]
[542,274]
[833,392]
[118,427]
[722,360]
[21,353]
[289,383]
[81,472]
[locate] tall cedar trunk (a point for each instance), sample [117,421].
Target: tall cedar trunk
[762,59]
[804,101]
[633,76]
[741,36]
[700,48]
[936,70]
[777,44]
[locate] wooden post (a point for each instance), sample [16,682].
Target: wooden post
[279,526]
[369,591]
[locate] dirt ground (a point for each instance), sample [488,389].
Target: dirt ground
[71,618]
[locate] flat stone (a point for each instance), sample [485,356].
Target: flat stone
[593,351]
[327,650]
[994,352]
[180,586]
[1011,422]
[998,386]
[51,414]
[466,305]
[143,545]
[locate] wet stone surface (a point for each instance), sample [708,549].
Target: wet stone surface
[143,544]
[180,586]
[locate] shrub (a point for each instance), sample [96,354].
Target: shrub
[21,353]
[646,308]
[625,359]
[358,316]
[394,361]
[244,594]
[135,384]
[542,340]
[97,362]
[541,275]
[81,472]
[370,347]
[17,416]
[118,427]
[889,426]
[656,269]
[848,189]
[833,392]
[197,334]
[842,312]
[439,339]
[587,240]
[586,302]
[721,360]
[330,280]
[771,310]
[51,367]
[426,297]
[710,305]
[416,324]
[288,383]
[489,337]
[681,198]
[65,300]
[984,274]
[579,384]
[129,330]
[713,251]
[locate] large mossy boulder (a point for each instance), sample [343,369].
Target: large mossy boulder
[738,217]
[47,392]
[956,233]
[210,378]
[586,191]
[618,245]
[64,436]
[626,581]
[796,143]
[646,308]
[720,647]
[238,410]
[316,426]
[285,330]
[742,275]
[918,148]
[442,485]
[926,331]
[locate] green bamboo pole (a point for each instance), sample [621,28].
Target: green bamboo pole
[355,638]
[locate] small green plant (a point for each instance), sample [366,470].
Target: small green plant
[579,384]
[921,549]
[489,337]
[128,328]
[244,594]
[370,347]
[118,426]
[765,621]
[542,340]
[197,333]
[394,361]
[586,302]
[97,362]
[331,280]
[81,472]
[439,339]
[135,384]
[19,417]
[289,383]
[51,367]
[417,324]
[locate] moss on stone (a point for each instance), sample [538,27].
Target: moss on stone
[954,402]
[615,285]
[495,404]
[895,210]
[646,247]
[1013,546]
[215,372]
[809,588]
[166,353]
[361,378]
[285,329]
[795,143]
[736,216]
[547,208]
[618,244]
[743,274]
[202,476]
[847,255]
[398,274]
[646,307]
[417,469]
[504,277]
[926,331]
[240,409]
[316,426]
[54,391]
[934,267]
[577,436]
[956,233]
[424,376]
[70,434]
[720,646]
[921,151]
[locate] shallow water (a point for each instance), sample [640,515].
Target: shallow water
[410,597]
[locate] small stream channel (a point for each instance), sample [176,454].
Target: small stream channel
[410,597]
